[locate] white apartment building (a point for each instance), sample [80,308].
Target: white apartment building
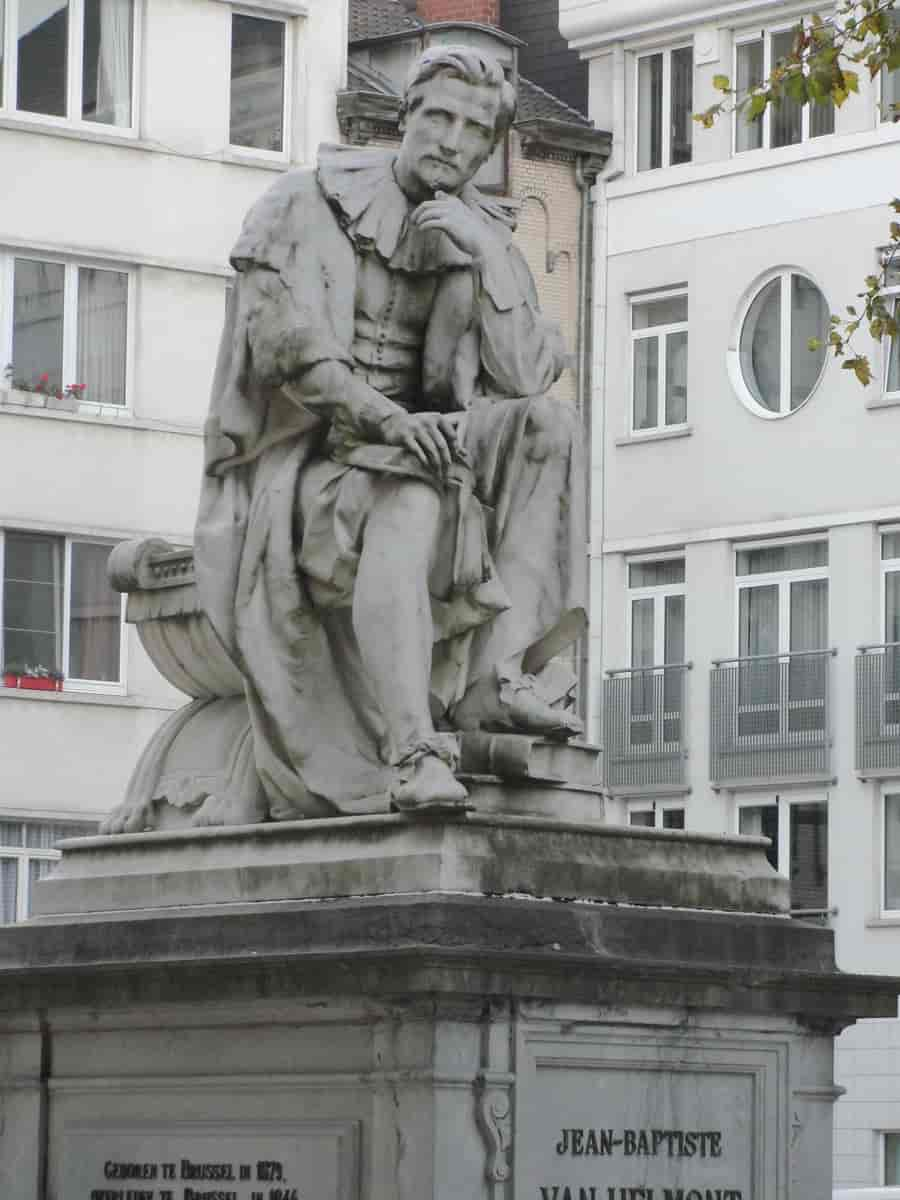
[134,135]
[746,500]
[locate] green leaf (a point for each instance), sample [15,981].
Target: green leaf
[721,83]
[757,106]
[860,368]
[814,344]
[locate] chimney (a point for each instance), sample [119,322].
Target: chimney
[487,12]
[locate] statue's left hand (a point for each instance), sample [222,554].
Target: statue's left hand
[449,215]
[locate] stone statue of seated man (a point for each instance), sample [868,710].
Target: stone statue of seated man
[389,542]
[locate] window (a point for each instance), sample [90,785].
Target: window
[774,370]
[890,570]
[656,594]
[69,58]
[782,638]
[784,124]
[27,855]
[890,899]
[68,323]
[656,816]
[892,1158]
[659,338]
[665,108]
[890,84]
[258,80]
[798,832]
[58,612]
[891,348]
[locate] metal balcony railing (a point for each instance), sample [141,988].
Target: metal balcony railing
[643,726]
[770,717]
[878,707]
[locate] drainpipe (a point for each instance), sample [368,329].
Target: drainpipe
[592,374]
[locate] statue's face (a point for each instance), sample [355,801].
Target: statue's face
[448,135]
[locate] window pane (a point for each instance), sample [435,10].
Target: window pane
[890,545]
[796,556]
[11,833]
[95,616]
[892,852]
[762,821]
[643,818]
[673,651]
[2,44]
[676,378]
[748,134]
[809,615]
[43,33]
[758,681]
[672,310]
[108,53]
[642,649]
[257,83]
[892,383]
[761,347]
[646,383]
[682,104]
[102,332]
[809,856]
[890,89]
[38,868]
[786,117]
[821,119]
[44,835]
[809,319]
[32,601]
[673,818]
[38,320]
[892,606]
[808,675]
[9,884]
[650,75]
[656,574]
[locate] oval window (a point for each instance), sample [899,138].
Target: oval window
[778,370]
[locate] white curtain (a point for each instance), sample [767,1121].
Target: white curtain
[112,52]
[95,616]
[892,873]
[748,134]
[650,112]
[761,347]
[102,333]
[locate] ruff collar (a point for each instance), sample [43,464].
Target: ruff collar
[374,212]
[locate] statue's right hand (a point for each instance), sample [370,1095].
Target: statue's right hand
[434,438]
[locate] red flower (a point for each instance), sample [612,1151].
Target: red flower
[45,378]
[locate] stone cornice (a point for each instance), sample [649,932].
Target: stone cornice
[592,26]
[543,137]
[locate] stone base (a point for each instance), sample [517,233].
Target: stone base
[229,1042]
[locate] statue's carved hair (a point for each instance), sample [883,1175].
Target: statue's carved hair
[469,65]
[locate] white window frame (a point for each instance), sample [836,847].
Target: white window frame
[657,808]
[892,293]
[657,592]
[71,683]
[881,118]
[24,854]
[290,33]
[666,113]
[735,369]
[891,788]
[74,47]
[783,580]
[70,320]
[745,38]
[784,804]
[660,332]
[889,566]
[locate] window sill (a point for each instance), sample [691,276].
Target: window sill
[129,140]
[103,699]
[891,922]
[655,435]
[889,400]
[32,404]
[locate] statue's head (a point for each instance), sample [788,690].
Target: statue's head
[457,106]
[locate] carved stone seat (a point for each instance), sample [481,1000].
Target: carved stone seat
[198,768]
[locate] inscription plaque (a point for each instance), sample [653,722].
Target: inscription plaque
[602,1132]
[306,1160]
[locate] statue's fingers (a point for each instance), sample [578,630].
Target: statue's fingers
[428,452]
[411,444]
[440,448]
[450,430]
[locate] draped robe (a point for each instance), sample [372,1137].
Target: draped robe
[290,473]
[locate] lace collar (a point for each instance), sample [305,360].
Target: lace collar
[374,212]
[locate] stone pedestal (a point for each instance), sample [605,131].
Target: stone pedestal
[491,1008]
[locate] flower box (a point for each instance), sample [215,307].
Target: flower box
[32,683]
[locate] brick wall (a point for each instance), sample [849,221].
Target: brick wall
[485,11]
